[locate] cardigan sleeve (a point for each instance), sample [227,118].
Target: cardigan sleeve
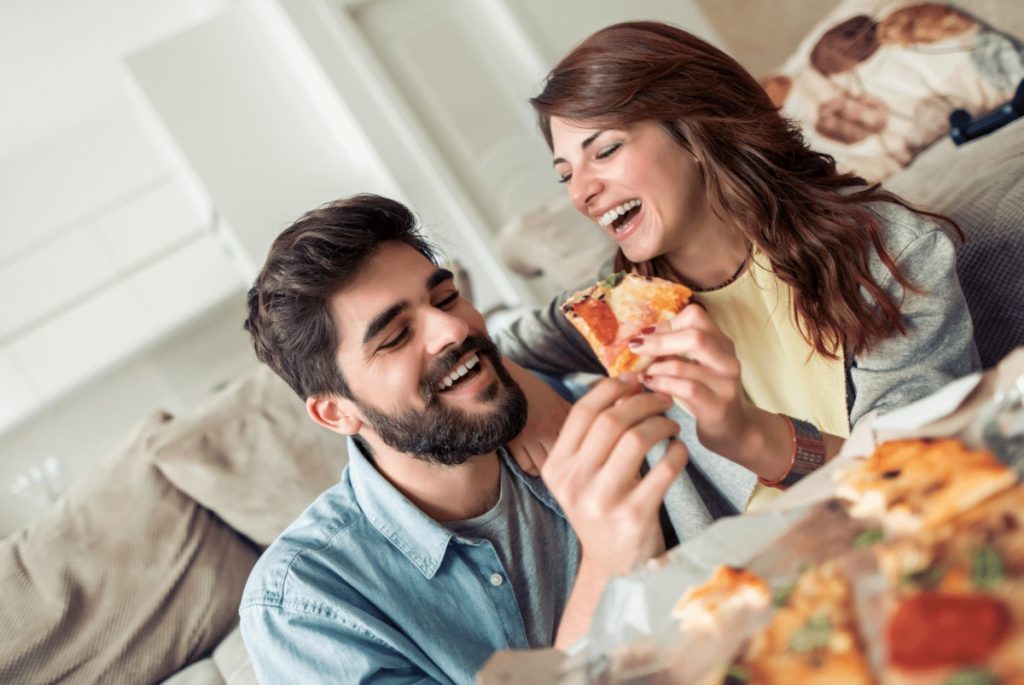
[543,340]
[938,346]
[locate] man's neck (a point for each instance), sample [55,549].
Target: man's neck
[444,493]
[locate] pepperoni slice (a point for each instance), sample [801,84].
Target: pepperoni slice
[934,629]
[599,317]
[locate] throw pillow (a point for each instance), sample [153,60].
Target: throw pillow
[124,580]
[875,82]
[252,455]
[986,197]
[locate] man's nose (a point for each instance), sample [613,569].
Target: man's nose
[444,330]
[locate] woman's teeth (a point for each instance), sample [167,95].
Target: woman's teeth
[615,212]
[457,373]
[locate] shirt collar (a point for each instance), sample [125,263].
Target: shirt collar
[421,539]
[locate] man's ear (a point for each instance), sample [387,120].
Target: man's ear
[334,413]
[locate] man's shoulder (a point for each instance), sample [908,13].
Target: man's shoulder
[314,548]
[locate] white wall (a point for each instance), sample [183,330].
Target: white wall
[96,237]
[128,238]
[87,423]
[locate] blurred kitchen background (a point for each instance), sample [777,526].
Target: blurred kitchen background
[150,150]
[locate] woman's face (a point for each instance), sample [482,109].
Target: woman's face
[637,183]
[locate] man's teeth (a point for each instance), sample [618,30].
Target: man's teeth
[615,212]
[458,372]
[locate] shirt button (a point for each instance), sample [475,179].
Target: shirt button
[496,579]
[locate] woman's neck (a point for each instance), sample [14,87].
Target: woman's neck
[711,260]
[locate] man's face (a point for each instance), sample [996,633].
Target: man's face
[424,375]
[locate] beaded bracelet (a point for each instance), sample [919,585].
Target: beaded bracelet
[808,453]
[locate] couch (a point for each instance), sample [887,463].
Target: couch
[135,576]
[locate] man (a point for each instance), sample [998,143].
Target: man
[435,549]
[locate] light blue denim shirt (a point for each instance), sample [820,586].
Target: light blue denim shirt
[365,587]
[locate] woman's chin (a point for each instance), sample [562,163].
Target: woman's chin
[638,253]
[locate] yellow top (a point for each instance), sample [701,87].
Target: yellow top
[780,371]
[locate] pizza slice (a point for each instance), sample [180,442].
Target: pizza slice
[727,600]
[613,311]
[812,638]
[954,598]
[910,485]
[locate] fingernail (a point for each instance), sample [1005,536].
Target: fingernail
[636,342]
[648,330]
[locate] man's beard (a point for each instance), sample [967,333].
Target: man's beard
[447,435]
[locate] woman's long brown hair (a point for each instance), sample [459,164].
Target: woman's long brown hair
[760,175]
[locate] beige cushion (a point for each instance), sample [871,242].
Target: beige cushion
[202,672]
[873,84]
[981,186]
[252,455]
[233,661]
[124,580]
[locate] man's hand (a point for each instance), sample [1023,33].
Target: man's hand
[546,413]
[593,472]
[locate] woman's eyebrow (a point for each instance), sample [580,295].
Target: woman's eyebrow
[584,145]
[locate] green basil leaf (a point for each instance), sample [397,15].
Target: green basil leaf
[780,596]
[973,676]
[867,538]
[736,675]
[926,579]
[613,280]
[813,635]
[986,568]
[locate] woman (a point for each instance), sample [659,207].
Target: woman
[821,298]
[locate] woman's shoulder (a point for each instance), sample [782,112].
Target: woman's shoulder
[902,226]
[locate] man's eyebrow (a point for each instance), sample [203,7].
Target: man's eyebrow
[439,277]
[381,321]
[584,145]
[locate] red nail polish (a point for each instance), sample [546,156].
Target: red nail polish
[648,330]
[635,342]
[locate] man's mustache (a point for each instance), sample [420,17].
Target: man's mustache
[447,362]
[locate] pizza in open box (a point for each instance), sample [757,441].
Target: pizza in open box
[955,598]
[729,597]
[909,485]
[613,311]
[811,639]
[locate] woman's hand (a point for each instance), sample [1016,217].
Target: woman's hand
[593,473]
[545,415]
[696,363]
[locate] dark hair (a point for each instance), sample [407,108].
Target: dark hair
[758,172]
[290,319]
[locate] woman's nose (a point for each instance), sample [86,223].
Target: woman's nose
[583,188]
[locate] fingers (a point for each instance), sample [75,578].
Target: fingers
[619,473]
[660,374]
[610,426]
[648,495]
[583,414]
[621,427]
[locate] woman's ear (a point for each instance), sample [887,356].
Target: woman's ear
[334,413]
